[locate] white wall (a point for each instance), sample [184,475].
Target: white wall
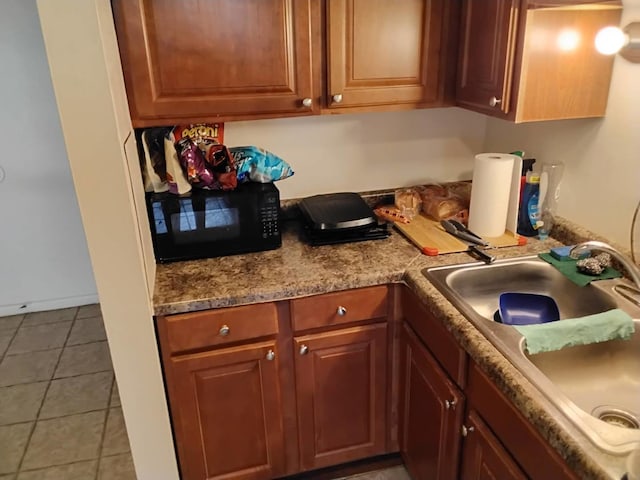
[368,151]
[44,261]
[601,182]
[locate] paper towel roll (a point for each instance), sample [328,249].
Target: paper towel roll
[490,189]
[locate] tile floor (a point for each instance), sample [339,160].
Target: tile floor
[60,415]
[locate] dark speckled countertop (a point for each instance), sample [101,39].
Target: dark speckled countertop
[298,269]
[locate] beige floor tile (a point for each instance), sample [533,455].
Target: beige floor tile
[87,330]
[81,359]
[20,403]
[39,337]
[9,325]
[73,471]
[118,467]
[393,473]
[28,367]
[11,476]
[89,311]
[5,340]
[115,435]
[84,393]
[115,396]
[14,440]
[50,316]
[65,440]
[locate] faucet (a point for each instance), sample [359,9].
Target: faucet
[632,268]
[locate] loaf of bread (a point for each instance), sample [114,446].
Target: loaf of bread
[440,203]
[408,202]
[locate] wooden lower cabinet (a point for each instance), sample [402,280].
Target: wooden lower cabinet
[341,386]
[484,457]
[226,409]
[431,411]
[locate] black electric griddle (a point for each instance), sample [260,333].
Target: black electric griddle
[339,218]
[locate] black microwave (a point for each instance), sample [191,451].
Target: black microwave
[213,223]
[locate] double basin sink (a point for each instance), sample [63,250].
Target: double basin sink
[596,387]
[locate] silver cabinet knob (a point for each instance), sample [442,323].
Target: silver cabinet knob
[342,311]
[467,430]
[307,102]
[337,98]
[270,355]
[493,101]
[224,330]
[304,349]
[449,404]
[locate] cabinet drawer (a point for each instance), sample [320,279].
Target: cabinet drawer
[339,308]
[212,328]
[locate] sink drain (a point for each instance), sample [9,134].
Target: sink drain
[616,417]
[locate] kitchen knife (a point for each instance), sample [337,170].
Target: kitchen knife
[470,240]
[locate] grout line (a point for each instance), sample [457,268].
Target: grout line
[46,391]
[104,427]
[57,465]
[59,378]
[2,357]
[39,419]
[8,354]
[63,346]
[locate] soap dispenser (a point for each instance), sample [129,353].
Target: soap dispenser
[528,214]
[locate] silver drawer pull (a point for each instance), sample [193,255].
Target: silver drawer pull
[466,430]
[304,349]
[307,102]
[270,355]
[224,330]
[449,404]
[342,311]
[494,102]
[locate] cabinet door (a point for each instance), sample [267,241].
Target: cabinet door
[431,411]
[215,59]
[484,457]
[341,393]
[485,64]
[381,52]
[227,416]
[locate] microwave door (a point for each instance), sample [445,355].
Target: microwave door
[221,217]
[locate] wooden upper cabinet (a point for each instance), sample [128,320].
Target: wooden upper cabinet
[486,54]
[389,53]
[218,59]
[529,60]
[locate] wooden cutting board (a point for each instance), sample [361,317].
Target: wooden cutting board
[432,239]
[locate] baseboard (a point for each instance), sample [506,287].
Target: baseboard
[51,304]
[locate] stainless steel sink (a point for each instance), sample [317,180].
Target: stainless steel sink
[596,387]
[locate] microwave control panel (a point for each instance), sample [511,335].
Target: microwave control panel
[269,213]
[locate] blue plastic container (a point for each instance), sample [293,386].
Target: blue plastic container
[527,309]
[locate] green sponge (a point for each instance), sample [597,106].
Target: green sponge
[562,253]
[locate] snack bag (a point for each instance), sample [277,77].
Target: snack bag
[176,178]
[206,160]
[258,165]
[154,171]
[193,163]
